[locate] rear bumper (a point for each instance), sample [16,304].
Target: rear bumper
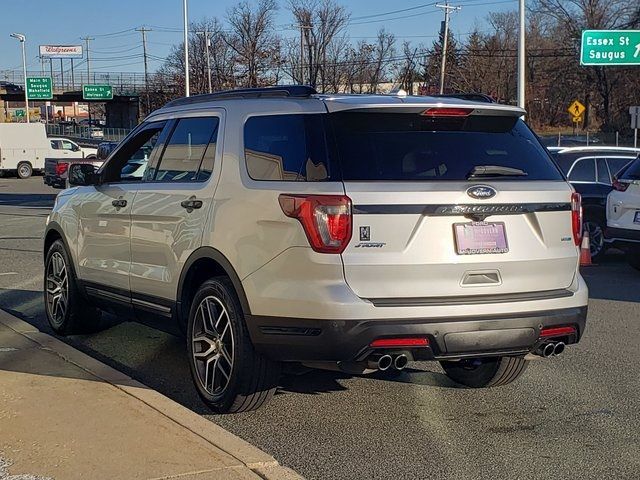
[307,340]
[622,236]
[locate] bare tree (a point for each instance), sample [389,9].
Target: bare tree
[322,23]
[253,39]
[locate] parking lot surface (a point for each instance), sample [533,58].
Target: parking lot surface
[574,416]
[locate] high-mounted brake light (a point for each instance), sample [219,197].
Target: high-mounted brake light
[576,217]
[557,331]
[400,342]
[447,112]
[326,219]
[61,168]
[620,186]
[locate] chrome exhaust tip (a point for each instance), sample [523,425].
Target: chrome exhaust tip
[400,362]
[380,362]
[546,350]
[558,348]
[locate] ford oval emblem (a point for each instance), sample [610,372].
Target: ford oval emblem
[481,192]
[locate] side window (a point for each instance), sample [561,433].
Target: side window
[286,148]
[56,144]
[583,170]
[189,153]
[67,145]
[603,171]
[617,164]
[130,162]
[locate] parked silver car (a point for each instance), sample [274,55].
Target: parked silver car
[280,225]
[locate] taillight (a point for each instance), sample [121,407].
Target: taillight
[326,219]
[620,186]
[447,112]
[61,168]
[576,217]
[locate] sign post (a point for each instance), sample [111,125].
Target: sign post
[635,123]
[39,88]
[97,92]
[610,47]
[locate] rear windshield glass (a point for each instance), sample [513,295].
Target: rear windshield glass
[412,147]
[632,172]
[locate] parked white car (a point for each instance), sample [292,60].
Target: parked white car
[623,212]
[68,148]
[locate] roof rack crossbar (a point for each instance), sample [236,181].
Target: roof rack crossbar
[298,91]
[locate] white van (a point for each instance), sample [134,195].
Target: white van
[24,147]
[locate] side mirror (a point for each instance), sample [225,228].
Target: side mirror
[75,148]
[83,174]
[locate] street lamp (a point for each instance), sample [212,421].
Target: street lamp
[522,60]
[22,39]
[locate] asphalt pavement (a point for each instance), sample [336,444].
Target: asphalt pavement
[574,416]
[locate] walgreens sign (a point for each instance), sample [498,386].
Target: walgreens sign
[61,51]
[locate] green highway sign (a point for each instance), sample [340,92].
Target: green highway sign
[97,92]
[39,88]
[610,47]
[19,113]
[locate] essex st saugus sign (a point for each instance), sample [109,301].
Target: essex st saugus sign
[610,47]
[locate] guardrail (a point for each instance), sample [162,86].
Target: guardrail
[94,134]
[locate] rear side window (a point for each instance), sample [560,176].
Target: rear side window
[632,172]
[583,170]
[288,148]
[411,147]
[189,153]
[603,171]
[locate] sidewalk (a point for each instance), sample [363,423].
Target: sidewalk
[65,416]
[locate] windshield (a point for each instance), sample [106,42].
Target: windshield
[412,147]
[632,172]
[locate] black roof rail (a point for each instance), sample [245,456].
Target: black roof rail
[298,91]
[474,97]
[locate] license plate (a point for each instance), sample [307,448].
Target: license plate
[636,218]
[476,238]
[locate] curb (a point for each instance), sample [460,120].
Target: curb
[261,463]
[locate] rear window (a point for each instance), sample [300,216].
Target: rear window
[411,147]
[632,172]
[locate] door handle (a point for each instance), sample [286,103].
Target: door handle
[119,203]
[191,204]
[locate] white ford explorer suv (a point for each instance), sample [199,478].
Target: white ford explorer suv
[279,225]
[623,212]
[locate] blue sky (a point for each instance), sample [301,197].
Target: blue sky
[117,48]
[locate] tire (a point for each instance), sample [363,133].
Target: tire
[485,372]
[24,170]
[229,375]
[69,313]
[597,244]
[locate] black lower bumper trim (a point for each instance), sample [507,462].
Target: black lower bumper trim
[621,235]
[289,339]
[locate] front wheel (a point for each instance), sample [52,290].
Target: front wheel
[24,170]
[67,310]
[228,373]
[485,372]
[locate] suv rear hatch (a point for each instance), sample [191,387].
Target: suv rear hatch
[453,202]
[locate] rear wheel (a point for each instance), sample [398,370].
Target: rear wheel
[67,310]
[24,170]
[596,238]
[485,372]
[229,374]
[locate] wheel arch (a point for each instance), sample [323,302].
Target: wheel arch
[201,265]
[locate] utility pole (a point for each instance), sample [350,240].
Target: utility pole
[304,41]
[144,31]
[186,47]
[87,39]
[445,40]
[521,55]
[207,44]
